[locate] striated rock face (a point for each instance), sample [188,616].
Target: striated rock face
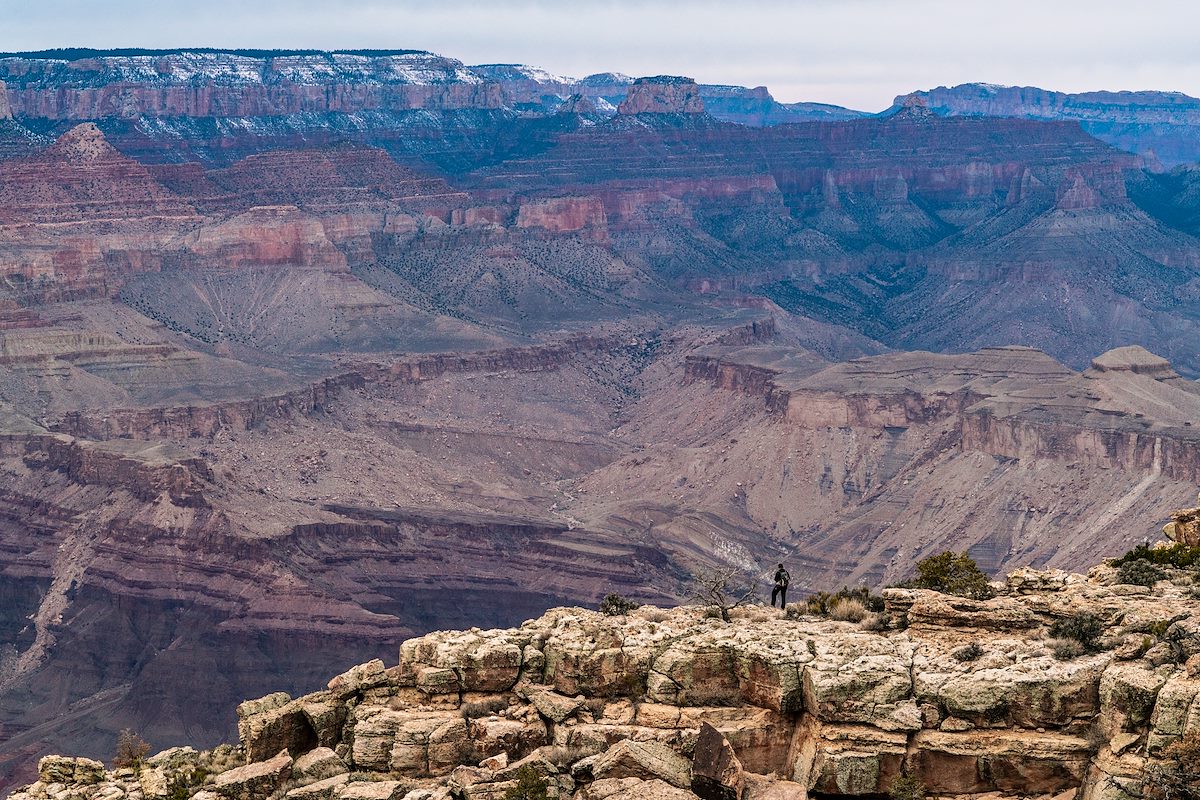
[82,177]
[1162,125]
[561,214]
[663,94]
[5,108]
[232,84]
[963,695]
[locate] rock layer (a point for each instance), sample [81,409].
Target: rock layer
[802,706]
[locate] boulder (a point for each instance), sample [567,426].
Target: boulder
[358,679]
[326,714]
[317,765]
[1176,712]
[68,770]
[645,760]
[496,762]
[449,745]
[1127,694]
[717,773]
[414,733]
[255,781]
[554,706]
[154,782]
[387,740]
[862,678]
[284,727]
[326,789]
[632,789]
[761,787]
[372,790]
[849,759]
[516,737]
[482,661]
[438,680]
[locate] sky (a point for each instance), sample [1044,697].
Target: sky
[857,53]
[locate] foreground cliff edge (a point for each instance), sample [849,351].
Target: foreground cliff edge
[968,697]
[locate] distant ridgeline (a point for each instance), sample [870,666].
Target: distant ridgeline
[80,53]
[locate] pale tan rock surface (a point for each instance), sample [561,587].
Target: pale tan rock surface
[656,703]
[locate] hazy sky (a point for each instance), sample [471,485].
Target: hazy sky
[859,53]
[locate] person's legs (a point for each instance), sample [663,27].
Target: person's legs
[783,597]
[774,594]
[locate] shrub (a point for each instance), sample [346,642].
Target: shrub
[1066,649]
[845,609]
[131,750]
[971,652]
[907,787]
[822,604]
[614,605]
[1081,627]
[1177,555]
[1185,752]
[484,708]
[953,573]
[874,622]
[529,786]
[1139,572]
[563,756]
[1178,776]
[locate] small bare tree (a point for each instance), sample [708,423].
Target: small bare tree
[720,591]
[131,750]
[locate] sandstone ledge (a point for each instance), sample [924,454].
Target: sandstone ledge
[614,706]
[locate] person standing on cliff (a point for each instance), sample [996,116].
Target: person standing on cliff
[781,583]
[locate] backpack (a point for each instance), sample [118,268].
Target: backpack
[782,577]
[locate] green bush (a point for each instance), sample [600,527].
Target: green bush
[1139,572]
[614,605]
[529,786]
[1177,555]
[822,604]
[1082,627]
[970,652]
[484,708]
[1066,649]
[907,787]
[952,573]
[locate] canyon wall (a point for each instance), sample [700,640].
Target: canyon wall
[1163,126]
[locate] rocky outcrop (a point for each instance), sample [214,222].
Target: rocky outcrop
[562,214]
[667,703]
[663,94]
[1184,527]
[5,108]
